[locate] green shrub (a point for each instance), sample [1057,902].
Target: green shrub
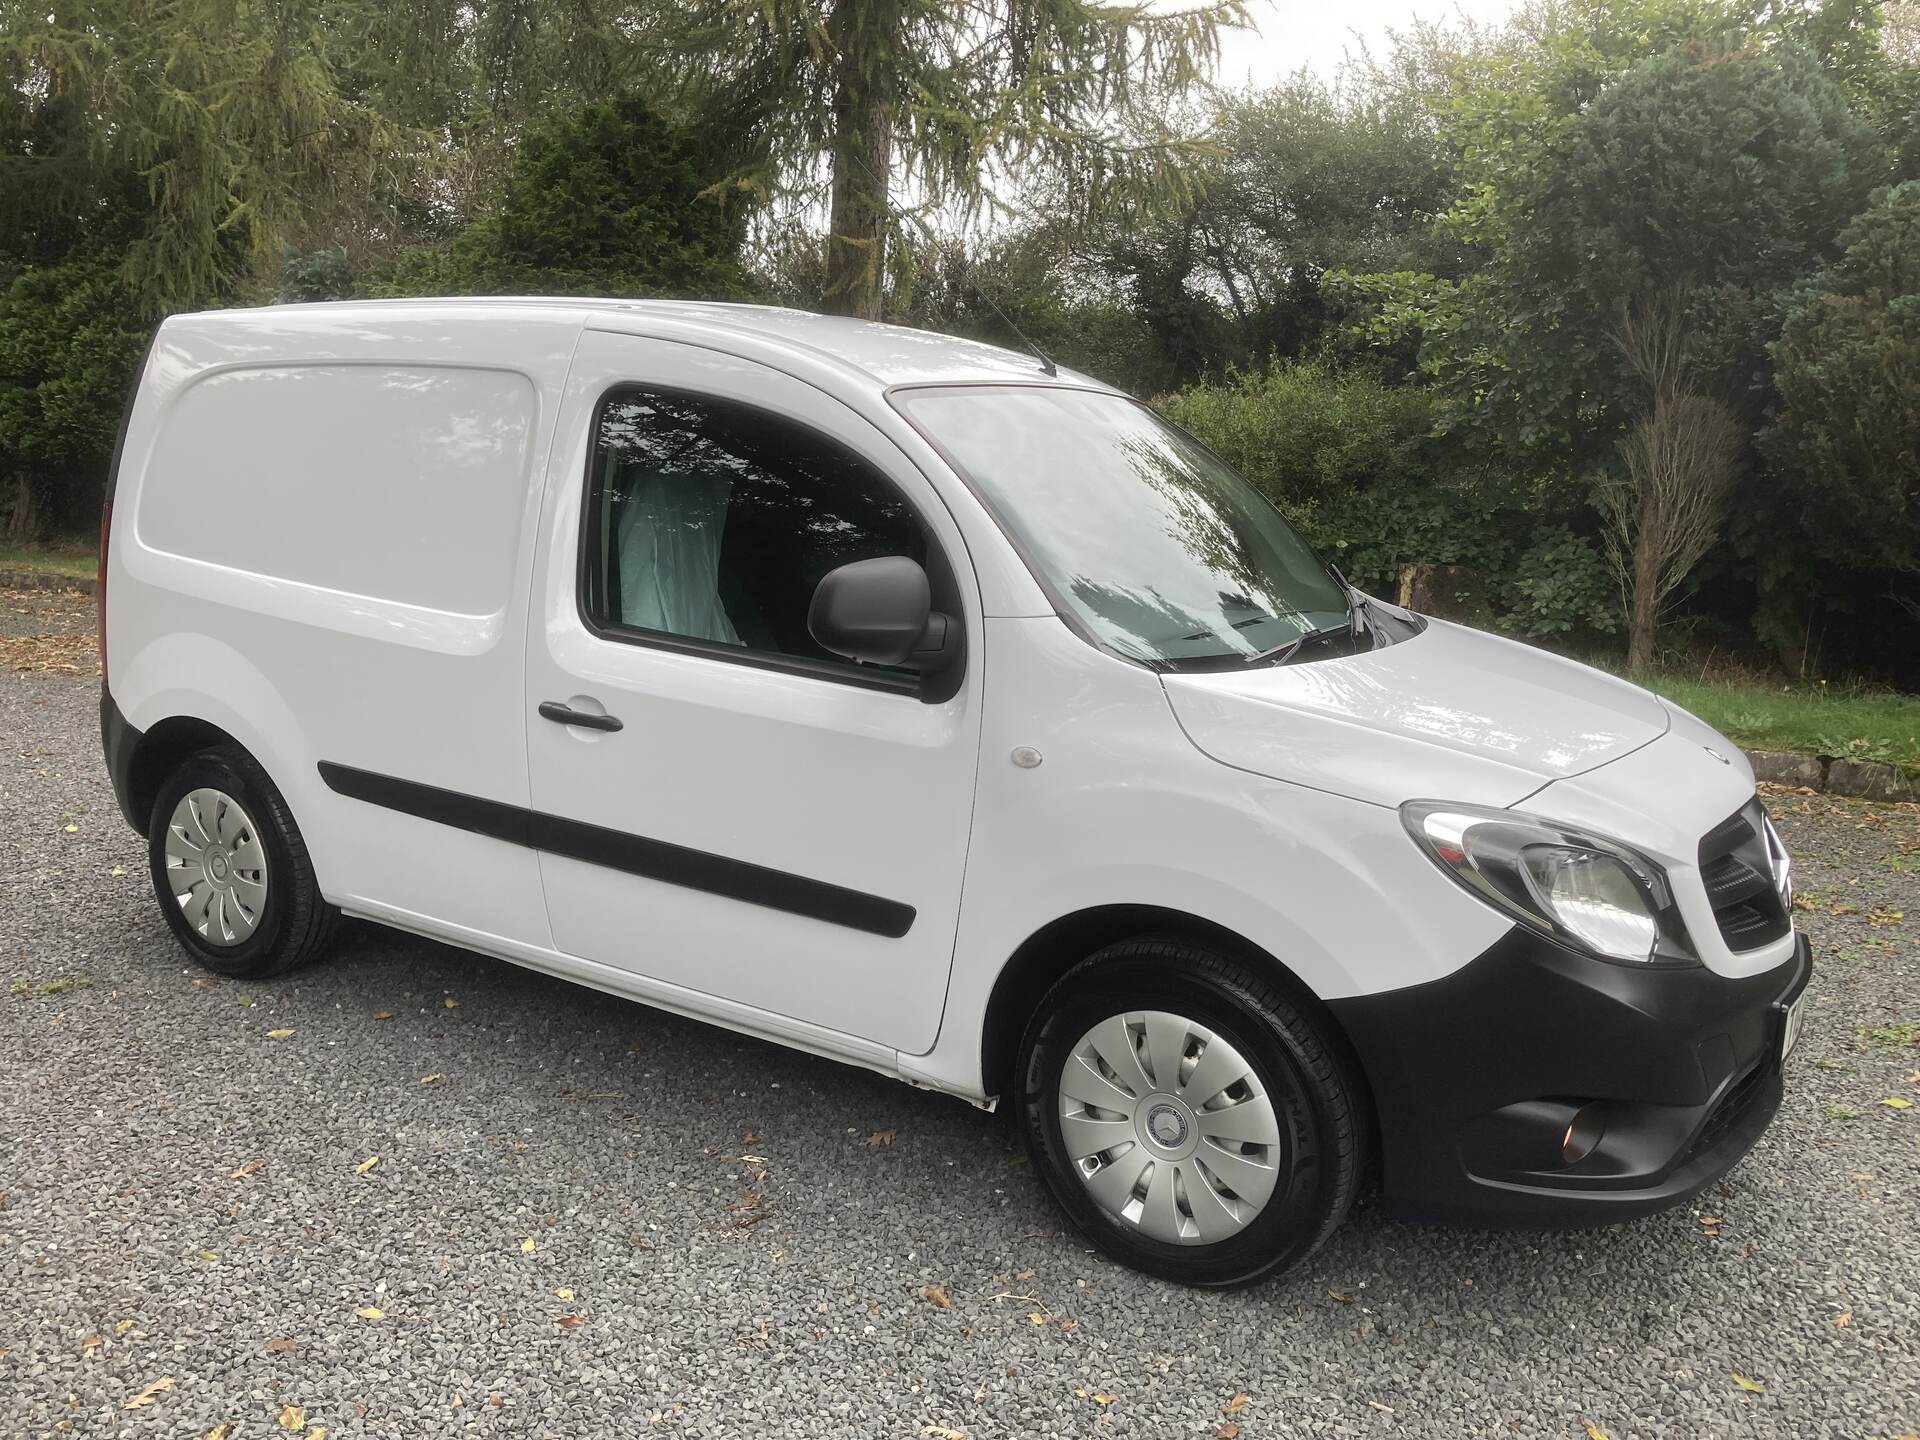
[608,199]
[1558,583]
[1306,432]
[1847,364]
[1355,465]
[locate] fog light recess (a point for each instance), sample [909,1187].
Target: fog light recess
[1589,1123]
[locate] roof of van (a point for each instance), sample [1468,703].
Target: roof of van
[889,354]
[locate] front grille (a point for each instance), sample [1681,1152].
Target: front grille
[1733,1105]
[1738,876]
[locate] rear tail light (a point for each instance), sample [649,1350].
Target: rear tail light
[100,585]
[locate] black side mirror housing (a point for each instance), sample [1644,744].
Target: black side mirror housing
[880,612]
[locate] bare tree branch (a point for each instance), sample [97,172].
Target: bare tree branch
[1681,457]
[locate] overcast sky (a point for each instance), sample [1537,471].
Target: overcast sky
[1315,34]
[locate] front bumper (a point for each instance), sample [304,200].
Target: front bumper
[1476,1077]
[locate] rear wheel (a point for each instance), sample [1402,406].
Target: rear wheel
[1188,1115]
[231,871]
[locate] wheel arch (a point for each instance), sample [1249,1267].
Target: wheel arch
[159,752]
[1061,944]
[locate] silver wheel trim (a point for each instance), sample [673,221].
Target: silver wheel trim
[216,866]
[1169,1128]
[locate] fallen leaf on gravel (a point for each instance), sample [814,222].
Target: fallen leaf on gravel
[152,1393]
[123,1327]
[1236,1404]
[118,871]
[1343,1299]
[90,1346]
[941,1432]
[282,1345]
[564,1292]
[882,1139]
[371,1312]
[1105,1399]
[747,1137]
[1036,1318]
[1843,1319]
[207,1255]
[64,654]
[318,1432]
[1383,1409]
[241,1172]
[1874,916]
[278,1034]
[527,1246]
[1842,1112]
[1594,1432]
[1227,1431]
[1752,1387]
[938,1295]
[449,1002]
[293,1417]
[433,1079]
[1897,1102]
[366,1164]
[383,1014]
[73,829]
[568,1321]
[219,1432]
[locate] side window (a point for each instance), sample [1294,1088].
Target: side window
[712,521]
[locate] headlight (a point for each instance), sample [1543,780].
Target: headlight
[1585,891]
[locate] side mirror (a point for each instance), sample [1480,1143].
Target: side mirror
[880,611]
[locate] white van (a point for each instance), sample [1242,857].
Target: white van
[900,699]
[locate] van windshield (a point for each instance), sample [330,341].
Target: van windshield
[1160,550]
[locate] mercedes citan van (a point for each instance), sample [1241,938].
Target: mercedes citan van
[910,702]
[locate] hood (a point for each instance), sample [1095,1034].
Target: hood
[1449,714]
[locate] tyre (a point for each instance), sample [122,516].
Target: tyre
[1188,1116]
[230,870]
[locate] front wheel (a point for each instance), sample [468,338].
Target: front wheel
[231,871]
[1188,1116]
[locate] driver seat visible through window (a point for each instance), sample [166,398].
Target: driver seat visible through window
[712,521]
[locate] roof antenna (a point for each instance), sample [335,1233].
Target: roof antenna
[1046,363]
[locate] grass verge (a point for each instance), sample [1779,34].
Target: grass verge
[73,560]
[1841,723]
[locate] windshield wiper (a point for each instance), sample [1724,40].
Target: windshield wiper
[1280,654]
[1357,621]
[1256,619]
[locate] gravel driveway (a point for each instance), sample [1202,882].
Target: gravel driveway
[587,1218]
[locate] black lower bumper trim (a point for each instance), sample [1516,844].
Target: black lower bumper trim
[119,740]
[1672,1073]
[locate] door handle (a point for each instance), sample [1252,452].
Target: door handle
[564,714]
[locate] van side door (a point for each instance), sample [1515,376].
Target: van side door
[769,826]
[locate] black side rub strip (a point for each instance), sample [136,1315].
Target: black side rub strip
[634,854]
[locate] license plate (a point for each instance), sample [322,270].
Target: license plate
[1790,1026]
